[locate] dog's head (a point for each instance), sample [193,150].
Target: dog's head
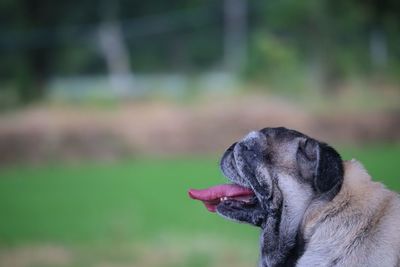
[280,161]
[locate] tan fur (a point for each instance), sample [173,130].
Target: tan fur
[359,227]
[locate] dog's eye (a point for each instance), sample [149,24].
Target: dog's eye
[268,157]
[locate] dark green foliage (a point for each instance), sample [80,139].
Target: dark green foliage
[289,42]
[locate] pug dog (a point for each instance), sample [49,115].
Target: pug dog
[313,208]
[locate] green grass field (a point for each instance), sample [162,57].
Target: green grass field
[132,213]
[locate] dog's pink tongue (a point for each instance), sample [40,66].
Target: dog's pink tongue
[216,192]
[211,196]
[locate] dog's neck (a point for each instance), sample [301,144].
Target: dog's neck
[296,199]
[356,184]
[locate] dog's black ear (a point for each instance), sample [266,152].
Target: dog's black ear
[330,171]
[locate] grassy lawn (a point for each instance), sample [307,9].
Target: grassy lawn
[132,213]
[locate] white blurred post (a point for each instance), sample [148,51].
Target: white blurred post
[235,34]
[117,58]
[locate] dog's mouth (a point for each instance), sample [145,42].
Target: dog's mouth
[237,190]
[213,196]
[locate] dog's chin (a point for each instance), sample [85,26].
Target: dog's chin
[230,213]
[242,212]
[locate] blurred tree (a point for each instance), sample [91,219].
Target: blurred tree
[37,60]
[39,39]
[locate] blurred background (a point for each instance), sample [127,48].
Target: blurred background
[110,110]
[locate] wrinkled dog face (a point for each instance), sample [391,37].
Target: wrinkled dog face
[279,159]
